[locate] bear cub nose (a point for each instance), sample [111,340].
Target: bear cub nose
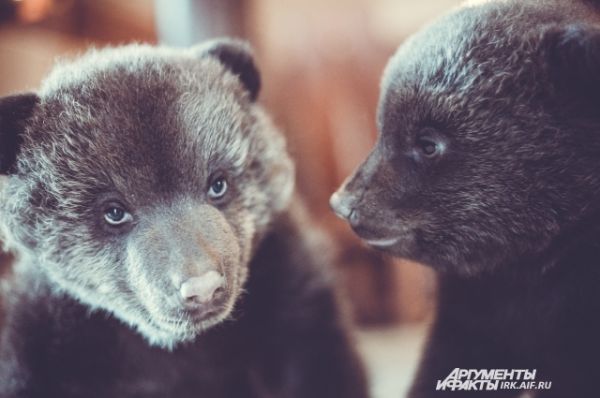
[201,289]
[341,204]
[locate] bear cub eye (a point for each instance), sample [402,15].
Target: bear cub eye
[116,215]
[428,147]
[218,188]
[429,144]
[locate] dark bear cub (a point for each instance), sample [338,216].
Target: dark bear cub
[487,168]
[147,196]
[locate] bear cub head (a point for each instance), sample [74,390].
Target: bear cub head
[489,138]
[138,180]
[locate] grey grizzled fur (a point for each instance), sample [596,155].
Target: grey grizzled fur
[103,124]
[508,210]
[94,311]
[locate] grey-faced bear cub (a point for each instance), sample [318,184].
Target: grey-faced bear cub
[148,198]
[487,168]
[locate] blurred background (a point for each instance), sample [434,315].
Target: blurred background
[321,62]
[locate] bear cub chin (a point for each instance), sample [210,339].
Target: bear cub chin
[160,252]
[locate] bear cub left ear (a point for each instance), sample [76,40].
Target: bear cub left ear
[237,57]
[14,111]
[573,58]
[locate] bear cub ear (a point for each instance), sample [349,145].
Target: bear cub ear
[14,111]
[573,57]
[237,57]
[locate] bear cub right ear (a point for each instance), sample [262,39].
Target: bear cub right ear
[573,57]
[237,57]
[14,111]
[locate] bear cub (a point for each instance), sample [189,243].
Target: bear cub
[160,251]
[487,168]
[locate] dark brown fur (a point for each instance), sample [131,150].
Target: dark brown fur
[487,168]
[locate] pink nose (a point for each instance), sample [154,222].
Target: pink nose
[201,288]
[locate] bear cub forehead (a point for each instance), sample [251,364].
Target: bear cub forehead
[157,113]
